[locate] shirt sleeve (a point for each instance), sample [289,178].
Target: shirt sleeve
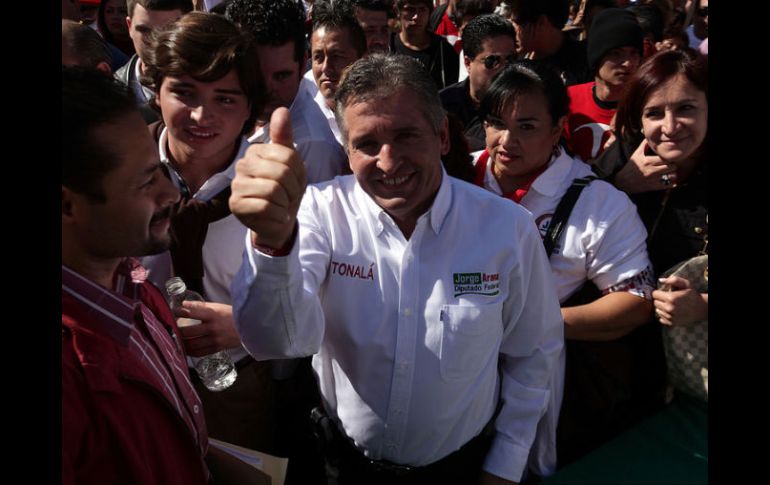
[616,238]
[276,306]
[532,345]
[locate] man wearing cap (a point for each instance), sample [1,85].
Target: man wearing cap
[614,54]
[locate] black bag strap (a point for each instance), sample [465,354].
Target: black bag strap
[563,211]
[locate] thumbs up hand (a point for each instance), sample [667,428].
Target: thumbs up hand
[268,186]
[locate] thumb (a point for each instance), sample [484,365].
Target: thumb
[675,282]
[280,128]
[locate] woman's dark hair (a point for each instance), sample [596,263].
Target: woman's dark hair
[206,46]
[124,44]
[521,78]
[653,73]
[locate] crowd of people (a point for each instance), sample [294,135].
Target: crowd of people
[434,237]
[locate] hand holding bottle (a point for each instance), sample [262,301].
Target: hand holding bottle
[217,332]
[216,371]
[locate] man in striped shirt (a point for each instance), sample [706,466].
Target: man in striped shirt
[129,412]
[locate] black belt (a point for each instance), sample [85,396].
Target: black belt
[349,454]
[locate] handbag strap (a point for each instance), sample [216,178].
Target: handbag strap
[563,211]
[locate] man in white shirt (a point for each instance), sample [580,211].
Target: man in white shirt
[279,29]
[336,42]
[428,304]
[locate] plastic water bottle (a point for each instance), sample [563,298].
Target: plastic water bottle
[216,371]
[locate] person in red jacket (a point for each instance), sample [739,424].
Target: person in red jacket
[129,412]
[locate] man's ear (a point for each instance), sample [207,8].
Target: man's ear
[67,204]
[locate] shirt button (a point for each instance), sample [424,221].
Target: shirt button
[407,311]
[195,408]
[698,230]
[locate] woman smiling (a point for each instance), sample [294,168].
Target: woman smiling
[602,242]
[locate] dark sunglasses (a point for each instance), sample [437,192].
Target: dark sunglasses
[703,12]
[492,61]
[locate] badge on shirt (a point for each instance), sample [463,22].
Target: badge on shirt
[486,284]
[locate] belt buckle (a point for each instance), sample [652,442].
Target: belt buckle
[388,467]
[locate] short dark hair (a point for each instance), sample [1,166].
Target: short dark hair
[482,28]
[339,15]
[653,73]
[271,22]
[524,77]
[376,5]
[90,100]
[400,3]
[650,20]
[206,46]
[379,76]
[527,11]
[184,5]
[85,43]
[471,7]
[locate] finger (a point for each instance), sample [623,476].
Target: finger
[665,321]
[676,282]
[196,309]
[663,316]
[664,305]
[193,332]
[280,128]
[274,162]
[261,188]
[254,212]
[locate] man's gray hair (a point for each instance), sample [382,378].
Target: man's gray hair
[380,76]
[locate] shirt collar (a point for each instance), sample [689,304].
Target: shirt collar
[215,183]
[114,311]
[549,182]
[437,212]
[147,92]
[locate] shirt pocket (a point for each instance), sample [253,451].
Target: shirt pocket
[470,338]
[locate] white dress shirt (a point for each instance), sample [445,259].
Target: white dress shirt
[318,146]
[604,242]
[309,86]
[415,341]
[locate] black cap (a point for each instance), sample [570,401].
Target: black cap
[612,28]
